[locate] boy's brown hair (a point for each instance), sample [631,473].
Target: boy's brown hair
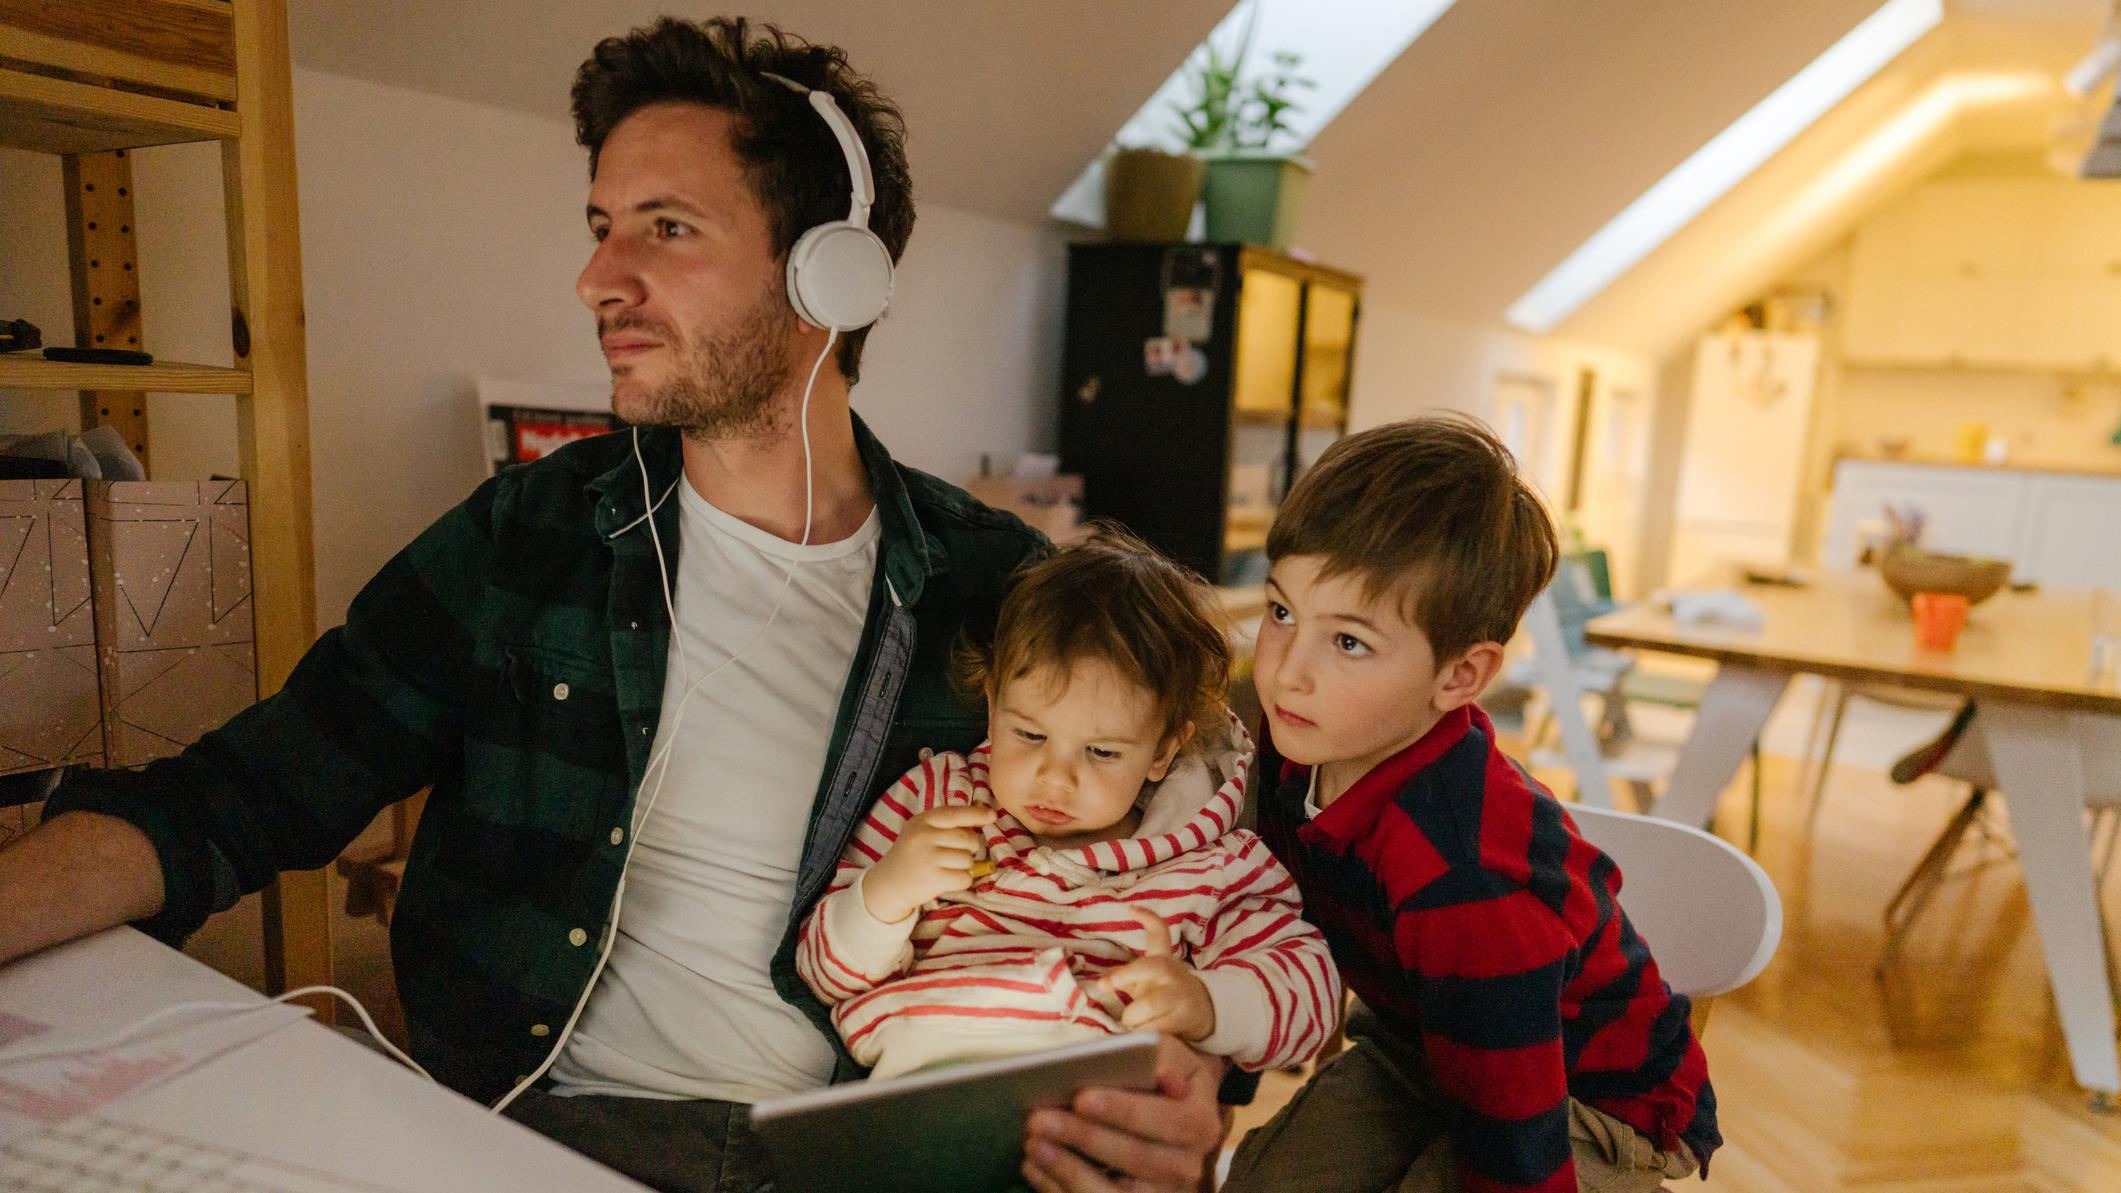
[1434,510]
[1115,599]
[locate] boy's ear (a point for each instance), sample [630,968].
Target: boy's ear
[1169,753]
[1461,680]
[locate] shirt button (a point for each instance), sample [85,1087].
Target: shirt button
[926,753]
[644,731]
[633,625]
[577,938]
[618,835]
[539,1029]
[559,691]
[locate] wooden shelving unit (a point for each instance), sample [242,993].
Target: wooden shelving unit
[18,371]
[91,80]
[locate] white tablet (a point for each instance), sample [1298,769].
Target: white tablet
[958,1128]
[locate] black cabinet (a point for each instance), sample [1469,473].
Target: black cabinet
[1196,381]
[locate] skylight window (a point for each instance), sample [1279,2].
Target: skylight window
[1343,46]
[1728,157]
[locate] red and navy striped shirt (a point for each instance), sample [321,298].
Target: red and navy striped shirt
[1464,908]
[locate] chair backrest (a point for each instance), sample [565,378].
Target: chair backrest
[1707,911]
[1599,567]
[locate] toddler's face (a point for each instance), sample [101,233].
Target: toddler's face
[1071,750]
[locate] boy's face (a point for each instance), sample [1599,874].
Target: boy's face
[1346,681]
[1071,749]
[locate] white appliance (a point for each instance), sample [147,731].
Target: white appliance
[1742,468]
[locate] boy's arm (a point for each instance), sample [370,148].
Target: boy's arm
[1490,961]
[1276,992]
[842,950]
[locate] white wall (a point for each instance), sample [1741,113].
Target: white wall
[440,241]
[1407,361]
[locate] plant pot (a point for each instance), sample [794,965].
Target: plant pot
[1254,197]
[1149,194]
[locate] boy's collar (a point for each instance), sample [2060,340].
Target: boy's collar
[1351,816]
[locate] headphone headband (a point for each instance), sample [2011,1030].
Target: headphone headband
[863,181]
[839,272]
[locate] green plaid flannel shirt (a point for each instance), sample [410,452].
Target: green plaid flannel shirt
[448,674]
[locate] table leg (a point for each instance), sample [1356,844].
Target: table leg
[1565,702]
[2039,770]
[1733,711]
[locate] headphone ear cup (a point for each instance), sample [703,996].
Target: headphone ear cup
[839,276]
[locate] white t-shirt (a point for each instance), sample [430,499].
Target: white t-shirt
[686,1008]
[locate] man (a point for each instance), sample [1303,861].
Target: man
[517,658]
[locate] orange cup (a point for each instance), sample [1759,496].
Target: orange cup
[1939,616]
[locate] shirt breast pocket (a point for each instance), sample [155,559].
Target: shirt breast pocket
[546,749]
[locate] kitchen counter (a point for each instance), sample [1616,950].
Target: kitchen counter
[2109,471]
[2056,525]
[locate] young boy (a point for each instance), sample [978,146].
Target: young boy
[1514,1033]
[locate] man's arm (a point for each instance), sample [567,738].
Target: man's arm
[368,716]
[76,874]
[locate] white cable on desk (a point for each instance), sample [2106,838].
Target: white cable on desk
[138,1029]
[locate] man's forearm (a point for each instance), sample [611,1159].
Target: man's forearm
[79,873]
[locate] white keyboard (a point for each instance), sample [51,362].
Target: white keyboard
[95,1155]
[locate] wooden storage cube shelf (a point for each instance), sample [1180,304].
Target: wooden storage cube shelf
[49,710]
[174,636]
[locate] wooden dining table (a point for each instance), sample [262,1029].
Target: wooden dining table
[2052,729]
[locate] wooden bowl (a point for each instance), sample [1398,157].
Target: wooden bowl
[1909,570]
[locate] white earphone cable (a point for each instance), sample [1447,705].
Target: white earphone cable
[658,765]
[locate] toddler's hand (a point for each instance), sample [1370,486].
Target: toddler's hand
[933,855]
[1166,994]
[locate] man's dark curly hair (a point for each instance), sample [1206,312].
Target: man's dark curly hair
[794,165]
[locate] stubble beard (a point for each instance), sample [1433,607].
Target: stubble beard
[726,378]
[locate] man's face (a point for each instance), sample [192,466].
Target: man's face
[1343,678]
[688,294]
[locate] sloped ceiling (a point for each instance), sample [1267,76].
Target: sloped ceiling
[1502,139]
[1004,102]
[1511,132]
[1849,165]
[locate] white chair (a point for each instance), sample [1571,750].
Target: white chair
[1707,911]
[1967,761]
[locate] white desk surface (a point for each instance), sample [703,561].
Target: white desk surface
[304,1095]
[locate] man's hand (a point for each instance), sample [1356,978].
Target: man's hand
[1164,992]
[1118,1141]
[933,855]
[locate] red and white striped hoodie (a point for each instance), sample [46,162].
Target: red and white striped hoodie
[1011,965]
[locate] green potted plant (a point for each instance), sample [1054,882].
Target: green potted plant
[1254,184]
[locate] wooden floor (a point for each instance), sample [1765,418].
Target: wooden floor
[1946,1075]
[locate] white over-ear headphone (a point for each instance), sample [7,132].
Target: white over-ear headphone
[839,272]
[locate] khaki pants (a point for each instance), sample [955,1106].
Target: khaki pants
[1370,1122]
